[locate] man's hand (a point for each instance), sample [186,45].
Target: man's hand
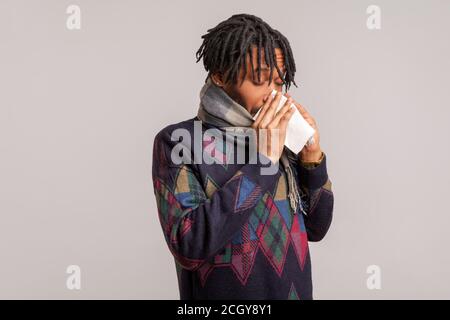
[274,125]
[313,152]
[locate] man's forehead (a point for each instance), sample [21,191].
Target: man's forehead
[279,57]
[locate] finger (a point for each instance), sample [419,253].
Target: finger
[268,99]
[271,109]
[268,116]
[298,105]
[301,109]
[305,114]
[280,113]
[286,118]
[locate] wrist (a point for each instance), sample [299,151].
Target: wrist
[315,156]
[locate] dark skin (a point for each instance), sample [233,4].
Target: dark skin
[253,95]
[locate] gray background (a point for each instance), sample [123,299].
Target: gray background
[79,110]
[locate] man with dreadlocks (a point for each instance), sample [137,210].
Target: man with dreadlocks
[234,232]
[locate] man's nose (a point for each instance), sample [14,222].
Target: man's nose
[274,86]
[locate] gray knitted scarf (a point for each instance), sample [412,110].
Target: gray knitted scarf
[218,109]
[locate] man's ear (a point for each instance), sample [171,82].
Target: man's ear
[217,78]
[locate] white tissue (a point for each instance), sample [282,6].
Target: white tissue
[298,133]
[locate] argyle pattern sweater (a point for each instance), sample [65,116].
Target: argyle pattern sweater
[231,230]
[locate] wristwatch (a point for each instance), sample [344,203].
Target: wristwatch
[312,164]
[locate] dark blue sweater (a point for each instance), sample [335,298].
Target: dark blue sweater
[231,230]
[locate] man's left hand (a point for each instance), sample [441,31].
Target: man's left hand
[312,152]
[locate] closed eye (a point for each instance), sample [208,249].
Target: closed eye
[264,81]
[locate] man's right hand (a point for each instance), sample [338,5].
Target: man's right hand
[271,139]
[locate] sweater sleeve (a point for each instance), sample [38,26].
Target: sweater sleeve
[195,226]
[318,195]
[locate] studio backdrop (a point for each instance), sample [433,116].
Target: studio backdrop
[86,85]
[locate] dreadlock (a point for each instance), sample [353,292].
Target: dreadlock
[225,46]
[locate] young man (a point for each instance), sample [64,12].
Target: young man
[234,232]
